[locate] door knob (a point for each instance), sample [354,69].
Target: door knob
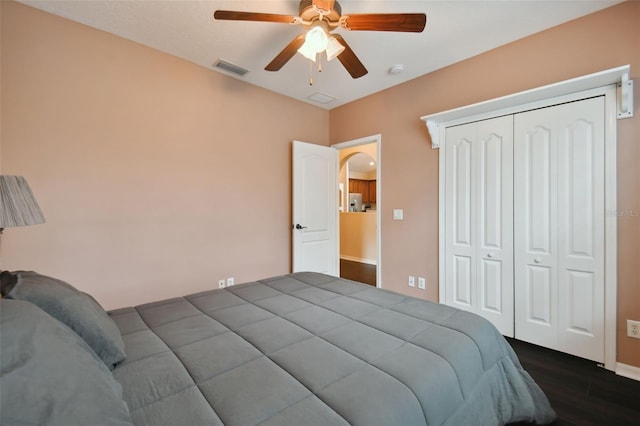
[489,255]
[298,226]
[537,260]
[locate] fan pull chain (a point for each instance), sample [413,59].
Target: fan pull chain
[310,73]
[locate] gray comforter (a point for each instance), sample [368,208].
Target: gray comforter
[311,349]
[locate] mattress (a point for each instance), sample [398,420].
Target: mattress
[313,349]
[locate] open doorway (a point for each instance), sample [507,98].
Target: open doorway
[359,205]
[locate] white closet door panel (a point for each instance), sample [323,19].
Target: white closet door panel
[559,227]
[495,221]
[539,295]
[460,259]
[491,279]
[534,230]
[463,193]
[535,318]
[538,185]
[581,229]
[462,282]
[580,292]
[491,191]
[479,220]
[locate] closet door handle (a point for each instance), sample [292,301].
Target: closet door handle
[489,255]
[537,260]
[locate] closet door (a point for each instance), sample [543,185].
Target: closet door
[559,227]
[479,220]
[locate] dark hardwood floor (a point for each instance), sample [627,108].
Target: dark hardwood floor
[581,393]
[356,271]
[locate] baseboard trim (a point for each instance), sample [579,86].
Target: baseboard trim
[358,259]
[628,371]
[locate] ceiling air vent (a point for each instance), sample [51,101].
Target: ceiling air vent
[229,67]
[321,98]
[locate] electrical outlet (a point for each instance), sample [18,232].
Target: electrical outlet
[230,281]
[221,283]
[422,283]
[412,281]
[633,329]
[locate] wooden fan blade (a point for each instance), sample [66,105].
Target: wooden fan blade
[230,15]
[350,60]
[402,22]
[286,54]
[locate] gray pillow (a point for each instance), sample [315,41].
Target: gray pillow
[7,282]
[76,309]
[50,376]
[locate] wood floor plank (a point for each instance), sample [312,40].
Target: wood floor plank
[357,271]
[581,393]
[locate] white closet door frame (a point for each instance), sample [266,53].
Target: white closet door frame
[609,93]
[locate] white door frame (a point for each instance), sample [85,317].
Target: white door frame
[364,141]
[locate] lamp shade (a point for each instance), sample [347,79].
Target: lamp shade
[308,52]
[334,48]
[315,42]
[18,207]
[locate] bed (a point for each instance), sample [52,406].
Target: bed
[299,349]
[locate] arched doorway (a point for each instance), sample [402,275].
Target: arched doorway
[359,233]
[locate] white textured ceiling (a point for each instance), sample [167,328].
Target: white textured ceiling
[456,30]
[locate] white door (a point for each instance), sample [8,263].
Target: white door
[315,208]
[479,220]
[559,227]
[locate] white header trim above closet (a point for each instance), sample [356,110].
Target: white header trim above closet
[513,103]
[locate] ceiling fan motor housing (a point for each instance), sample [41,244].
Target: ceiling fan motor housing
[309,12]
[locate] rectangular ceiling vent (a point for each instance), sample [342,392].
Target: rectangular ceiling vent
[229,67]
[321,98]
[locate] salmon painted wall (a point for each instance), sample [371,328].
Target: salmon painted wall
[600,41]
[157,177]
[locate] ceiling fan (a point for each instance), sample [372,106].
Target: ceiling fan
[320,18]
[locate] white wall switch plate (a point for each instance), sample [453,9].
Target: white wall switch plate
[398,214]
[230,281]
[412,281]
[221,283]
[422,283]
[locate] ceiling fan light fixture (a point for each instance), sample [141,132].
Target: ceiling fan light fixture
[315,42]
[321,17]
[334,48]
